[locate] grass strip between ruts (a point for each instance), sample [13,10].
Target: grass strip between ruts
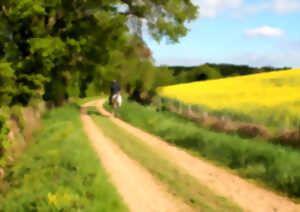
[179,184]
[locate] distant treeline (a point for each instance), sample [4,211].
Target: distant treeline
[229,69]
[184,74]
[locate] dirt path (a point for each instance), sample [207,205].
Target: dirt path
[249,196]
[140,191]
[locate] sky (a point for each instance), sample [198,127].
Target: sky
[248,32]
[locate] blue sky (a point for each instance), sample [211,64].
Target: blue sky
[256,33]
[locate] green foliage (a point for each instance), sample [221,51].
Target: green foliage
[275,165]
[164,18]
[203,72]
[7,87]
[210,72]
[132,67]
[3,135]
[228,70]
[7,90]
[175,75]
[60,172]
[49,43]
[50,50]
[164,76]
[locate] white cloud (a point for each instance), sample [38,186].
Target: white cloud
[211,8]
[277,6]
[264,31]
[250,9]
[285,6]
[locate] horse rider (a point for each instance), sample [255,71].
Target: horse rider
[114,89]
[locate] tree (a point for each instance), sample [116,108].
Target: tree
[49,41]
[164,76]
[205,72]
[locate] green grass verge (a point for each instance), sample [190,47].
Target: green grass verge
[275,166]
[59,171]
[178,183]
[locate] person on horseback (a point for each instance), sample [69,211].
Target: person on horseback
[114,89]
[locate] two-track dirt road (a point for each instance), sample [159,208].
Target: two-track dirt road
[140,191]
[127,175]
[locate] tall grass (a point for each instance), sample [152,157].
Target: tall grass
[60,171]
[274,165]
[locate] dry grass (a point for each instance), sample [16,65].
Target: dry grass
[290,137]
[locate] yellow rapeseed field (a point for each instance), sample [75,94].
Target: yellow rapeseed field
[271,97]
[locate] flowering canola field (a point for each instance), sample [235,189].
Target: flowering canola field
[270,98]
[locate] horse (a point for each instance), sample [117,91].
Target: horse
[116,102]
